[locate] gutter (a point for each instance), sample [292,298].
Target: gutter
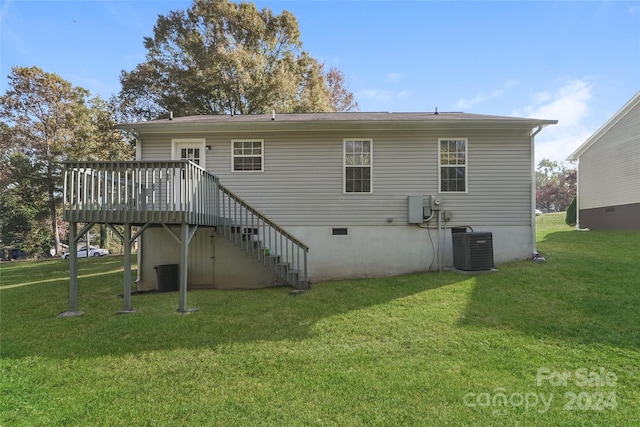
[191,125]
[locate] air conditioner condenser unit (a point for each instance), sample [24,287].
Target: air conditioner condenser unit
[473,251]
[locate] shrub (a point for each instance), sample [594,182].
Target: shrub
[571,217]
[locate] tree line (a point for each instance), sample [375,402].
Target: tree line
[216,57]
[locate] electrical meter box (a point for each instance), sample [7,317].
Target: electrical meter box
[435,203]
[417,212]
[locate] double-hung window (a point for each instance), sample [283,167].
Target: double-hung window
[247,155]
[452,157]
[357,165]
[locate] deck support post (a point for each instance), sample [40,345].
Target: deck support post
[73,273]
[185,238]
[126,244]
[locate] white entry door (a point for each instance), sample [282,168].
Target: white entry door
[189,149]
[187,187]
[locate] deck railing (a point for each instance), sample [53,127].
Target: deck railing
[263,239]
[140,192]
[175,192]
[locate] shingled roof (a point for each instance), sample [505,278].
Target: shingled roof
[279,121]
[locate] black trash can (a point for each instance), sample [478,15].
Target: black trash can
[168,277]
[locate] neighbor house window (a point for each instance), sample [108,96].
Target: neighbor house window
[453,165]
[357,165]
[247,155]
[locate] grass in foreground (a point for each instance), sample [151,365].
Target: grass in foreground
[424,349]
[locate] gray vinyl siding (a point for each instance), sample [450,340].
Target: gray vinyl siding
[609,171]
[302,182]
[156,148]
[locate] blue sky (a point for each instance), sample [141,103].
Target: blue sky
[574,61]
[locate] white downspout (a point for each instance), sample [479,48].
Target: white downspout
[139,241]
[440,241]
[578,198]
[533,189]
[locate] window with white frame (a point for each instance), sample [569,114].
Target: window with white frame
[357,165]
[453,165]
[247,155]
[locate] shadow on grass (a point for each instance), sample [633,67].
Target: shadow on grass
[223,316]
[587,292]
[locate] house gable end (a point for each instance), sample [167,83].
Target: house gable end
[598,134]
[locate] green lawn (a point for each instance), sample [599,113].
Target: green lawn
[560,340]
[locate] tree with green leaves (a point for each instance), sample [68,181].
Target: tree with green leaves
[23,208]
[219,57]
[555,186]
[45,121]
[340,98]
[547,170]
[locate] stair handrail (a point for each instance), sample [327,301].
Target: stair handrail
[262,216]
[285,254]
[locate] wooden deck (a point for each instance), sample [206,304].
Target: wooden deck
[170,192]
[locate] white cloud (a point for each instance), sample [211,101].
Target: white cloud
[375,94]
[394,77]
[465,104]
[508,84]
[384,97]
[541,97]
[569,105]
[380,95]
[403,94]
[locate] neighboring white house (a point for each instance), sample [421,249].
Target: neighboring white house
[340,184]
[609,173]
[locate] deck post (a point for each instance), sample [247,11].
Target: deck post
[126,244]
[184,259]
[73,273]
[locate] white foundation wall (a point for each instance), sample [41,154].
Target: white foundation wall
[214,262]
[375,251]
[394,250]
